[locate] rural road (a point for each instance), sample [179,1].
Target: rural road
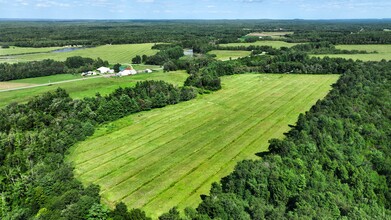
[49,84]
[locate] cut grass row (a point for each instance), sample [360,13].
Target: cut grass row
[84,88]
[112,53]
[170,156]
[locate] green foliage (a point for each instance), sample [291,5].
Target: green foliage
[116,68]
[328,163]
[30,69]
[47,68]
[166,55]
[136,59]
[36,135]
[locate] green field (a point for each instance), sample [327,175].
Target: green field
[276,44]
[229,54]
[170,156]
[383,52]
[83,88]
[24,50]
[112,53]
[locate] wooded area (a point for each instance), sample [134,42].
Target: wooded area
[334,163]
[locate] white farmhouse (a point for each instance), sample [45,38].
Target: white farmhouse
[127,72]
[103,70]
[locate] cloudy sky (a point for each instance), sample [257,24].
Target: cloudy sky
[195,9]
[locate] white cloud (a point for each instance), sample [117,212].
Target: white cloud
[49,3]
[146,1]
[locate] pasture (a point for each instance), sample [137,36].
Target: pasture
[383,52]
[274,35]
[87,87]
[229,54]
[25,50]
[170,156]
[275,44]
[112,53]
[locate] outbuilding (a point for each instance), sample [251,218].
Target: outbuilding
[103,70]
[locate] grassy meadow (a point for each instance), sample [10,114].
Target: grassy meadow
[276,44]
[82,88]
[25,50]
[383,52]
[229,54]
[170,156]
[112,53]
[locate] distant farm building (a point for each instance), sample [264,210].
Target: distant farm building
[126,72]
[188,52]
[103,70]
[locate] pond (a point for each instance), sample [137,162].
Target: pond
[68,49]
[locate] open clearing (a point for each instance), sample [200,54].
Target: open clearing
[276,44]
[275,35]
[7,85]
[229,54]
[87,87]
[383,52]
[24,50]
[112,53]
[170,156]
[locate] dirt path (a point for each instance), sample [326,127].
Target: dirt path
[49,84]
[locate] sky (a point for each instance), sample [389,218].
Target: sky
[195,9]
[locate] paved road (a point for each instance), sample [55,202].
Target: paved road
[49,84]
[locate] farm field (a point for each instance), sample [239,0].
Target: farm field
[276,44]
[383,52]
[112,53]
[23,50]
[227,54]
[170,156]
[275,35]
[82,88]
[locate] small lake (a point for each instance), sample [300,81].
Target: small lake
[68,49]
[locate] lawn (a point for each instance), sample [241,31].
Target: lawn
[276,44]
[229,54]
[170,156]
[84,88]
[383,52]
[112,53]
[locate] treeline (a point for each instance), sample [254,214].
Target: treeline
[190,34]
[323,48]
[48,67]
[333,164]
[35,181]
[362,36]
[287,62]
[165,55]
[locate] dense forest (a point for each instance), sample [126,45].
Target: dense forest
[189,33]
[35,182]
[334,163]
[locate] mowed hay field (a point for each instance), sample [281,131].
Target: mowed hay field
[86,87]
[170,156]
[229,54]
[383,52]
[276,44]
[23,50]
[112,53]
